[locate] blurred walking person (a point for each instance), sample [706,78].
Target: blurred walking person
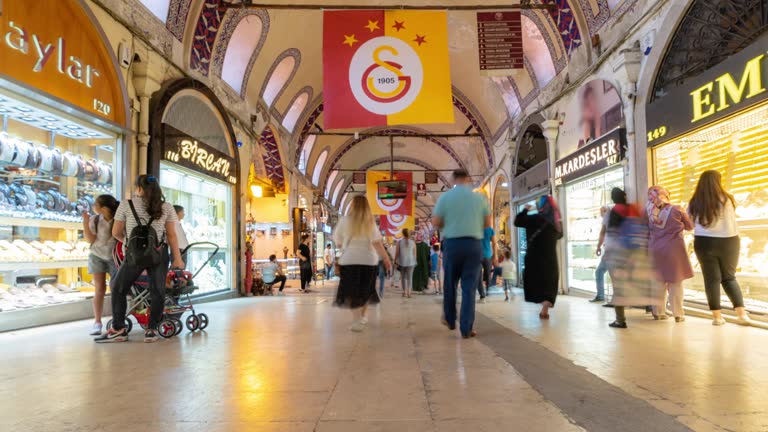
[541,275]
[461,215]
[626,254]
[362,249]
[667,223]
[602,267]
[716,243]
[405,257]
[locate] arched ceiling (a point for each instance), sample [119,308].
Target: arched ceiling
[273,59]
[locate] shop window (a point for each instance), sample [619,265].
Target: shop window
[319,168]
[159,8]
[294,112]
[338,190]
[278,79]
[52,168]
[306,151]
[241,45]
[736,148]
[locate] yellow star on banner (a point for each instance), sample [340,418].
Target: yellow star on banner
[350,40]
[372,26]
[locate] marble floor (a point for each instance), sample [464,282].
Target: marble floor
[291,364]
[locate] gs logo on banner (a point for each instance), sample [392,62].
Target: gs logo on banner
[386,75]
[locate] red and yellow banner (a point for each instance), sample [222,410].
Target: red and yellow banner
[393,225]
[403,207]
[385,68]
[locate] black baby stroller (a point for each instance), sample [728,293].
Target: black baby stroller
[178,283]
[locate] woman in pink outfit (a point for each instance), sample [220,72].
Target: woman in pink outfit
[667,223]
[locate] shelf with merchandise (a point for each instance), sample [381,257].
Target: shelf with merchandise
[42,265]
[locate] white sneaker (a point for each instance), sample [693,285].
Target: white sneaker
[95,329]
[482,300]
[364,320]
[718,322]
[745,320]
[357,327]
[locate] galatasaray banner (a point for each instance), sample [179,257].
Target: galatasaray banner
[393,225]
[385,68]
[389,206]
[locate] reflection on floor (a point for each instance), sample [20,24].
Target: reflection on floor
[291,364]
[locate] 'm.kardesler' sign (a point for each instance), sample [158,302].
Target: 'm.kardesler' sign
[601,153]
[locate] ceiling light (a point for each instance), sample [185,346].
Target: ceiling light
[23,109]
[73,127]
[72,134]
[26,119]
[51,127]
[49,118]
[505,184]
[3,110]
[91,134]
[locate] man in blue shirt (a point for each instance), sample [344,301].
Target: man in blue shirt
[461,215]
[489,260]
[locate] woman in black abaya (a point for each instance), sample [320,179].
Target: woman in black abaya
[541,275]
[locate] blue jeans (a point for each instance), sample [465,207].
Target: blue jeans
[496,274]
[602,268]
[461,261]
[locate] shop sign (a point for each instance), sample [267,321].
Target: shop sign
[606,151]
[535,179]
[500,42]
[191,153]
[54,47]
[733,85]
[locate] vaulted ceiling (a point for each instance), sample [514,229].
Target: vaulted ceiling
[273,59]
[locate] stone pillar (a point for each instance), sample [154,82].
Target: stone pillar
[551,130]
[626,69]
[146,81]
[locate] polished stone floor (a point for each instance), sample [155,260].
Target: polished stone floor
[291,364]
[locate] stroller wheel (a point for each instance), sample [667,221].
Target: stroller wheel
[167,329]
[179,326]
[128,324]
[203,319]
[193,323]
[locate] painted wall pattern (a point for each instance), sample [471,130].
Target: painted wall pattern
[272,161]
[566,24]
[178,10]
[206,30]
[231,21]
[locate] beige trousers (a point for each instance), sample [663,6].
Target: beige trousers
[672,292]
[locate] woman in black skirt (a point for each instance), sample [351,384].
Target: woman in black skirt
[361,242]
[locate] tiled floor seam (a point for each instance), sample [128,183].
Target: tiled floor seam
[568,394]
[336,385]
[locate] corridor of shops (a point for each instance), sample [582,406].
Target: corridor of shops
[604,161]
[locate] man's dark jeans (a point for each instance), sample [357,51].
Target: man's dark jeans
[461,261]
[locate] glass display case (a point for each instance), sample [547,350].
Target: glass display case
[52,167]
[208,218]
[738,149]
[583,200]
[522,241]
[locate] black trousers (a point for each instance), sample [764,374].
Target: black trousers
[719,258]
[306,275]
[121,285]
[280,279]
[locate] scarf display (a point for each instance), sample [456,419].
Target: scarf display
[659,206]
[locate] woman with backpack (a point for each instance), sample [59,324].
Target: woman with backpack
[146,227]
[542,274]
[97,231]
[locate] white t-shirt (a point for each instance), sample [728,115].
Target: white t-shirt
[181,235]
[406,253]
[328,256]
[358,250]
[724,227]
[124,214]
[104,243]
[508,270]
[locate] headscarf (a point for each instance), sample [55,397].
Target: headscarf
[548,210]
[659,206]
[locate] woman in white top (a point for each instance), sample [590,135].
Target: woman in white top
[405,257]
[362,244]
[716,243]
[97,230]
